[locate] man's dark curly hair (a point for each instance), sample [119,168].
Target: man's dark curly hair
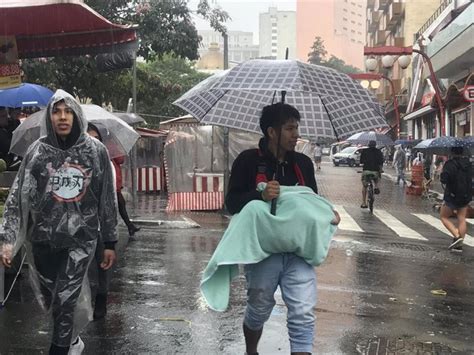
[277,115]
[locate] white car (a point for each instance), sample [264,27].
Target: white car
[348,156]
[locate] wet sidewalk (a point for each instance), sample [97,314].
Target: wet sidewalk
[435,189]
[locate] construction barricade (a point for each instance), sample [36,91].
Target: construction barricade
[416,186]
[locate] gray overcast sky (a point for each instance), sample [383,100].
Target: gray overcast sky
[244,13]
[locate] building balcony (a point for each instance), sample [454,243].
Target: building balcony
[383,4]
[452,49]
[373,21]
[380,37]
[399,42]
[394,14]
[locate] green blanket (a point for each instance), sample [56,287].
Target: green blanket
[301,226]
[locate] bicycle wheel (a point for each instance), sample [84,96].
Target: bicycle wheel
[370,197]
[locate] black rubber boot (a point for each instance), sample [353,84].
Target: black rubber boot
[58,350]
[100,308]
[132,229]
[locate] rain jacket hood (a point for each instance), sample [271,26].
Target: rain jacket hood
[63,190]
[79,128]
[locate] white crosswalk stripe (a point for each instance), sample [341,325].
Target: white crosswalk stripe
[435,222]
[397,226]
[347,222]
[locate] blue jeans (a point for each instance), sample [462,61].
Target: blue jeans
[297,281]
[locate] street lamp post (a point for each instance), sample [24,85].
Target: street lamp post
[392,50]
[376,76]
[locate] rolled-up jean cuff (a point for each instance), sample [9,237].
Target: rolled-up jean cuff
[301,348]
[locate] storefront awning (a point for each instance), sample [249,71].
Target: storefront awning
[45,28]
[151,133]
[420,112]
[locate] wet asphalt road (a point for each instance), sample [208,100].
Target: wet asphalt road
[374,289]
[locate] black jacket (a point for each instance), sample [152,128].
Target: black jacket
[242,182]
[372,159]
[457,178]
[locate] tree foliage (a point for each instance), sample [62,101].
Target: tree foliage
[318,52]
[318,56]
[168,42]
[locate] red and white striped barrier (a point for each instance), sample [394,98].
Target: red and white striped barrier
[149,179]
[204,182]
[195,201]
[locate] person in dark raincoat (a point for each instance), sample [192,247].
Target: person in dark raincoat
[62,193]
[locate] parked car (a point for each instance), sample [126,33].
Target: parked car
[325,151]
[348,156]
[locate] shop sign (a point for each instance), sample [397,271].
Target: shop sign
[9,65]
[426,99]
[469,93]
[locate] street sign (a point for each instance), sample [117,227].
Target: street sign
[469,93]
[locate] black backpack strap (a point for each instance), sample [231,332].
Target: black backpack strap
[261,175]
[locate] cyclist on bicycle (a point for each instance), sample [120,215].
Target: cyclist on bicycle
[372,160]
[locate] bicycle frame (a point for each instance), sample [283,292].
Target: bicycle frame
[370,194]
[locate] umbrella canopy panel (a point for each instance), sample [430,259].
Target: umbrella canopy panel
[365,137]
[130,118]
[442,145]
[332,105]
[55,27]
[25,95]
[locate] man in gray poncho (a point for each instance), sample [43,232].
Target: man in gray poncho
[62,193]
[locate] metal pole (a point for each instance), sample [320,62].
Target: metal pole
[133,153]
[434,81]
[395,104]
[226,129]
[226,161]
[226,51]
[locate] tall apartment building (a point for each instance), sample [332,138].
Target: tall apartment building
[340,23]
[394,23]
[241,47]
[277,32]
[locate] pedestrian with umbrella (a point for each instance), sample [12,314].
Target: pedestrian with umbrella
[63,192]
[331,104]
[251,170]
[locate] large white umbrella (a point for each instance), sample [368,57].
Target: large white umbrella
[118,136]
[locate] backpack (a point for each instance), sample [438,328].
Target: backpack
[459,184]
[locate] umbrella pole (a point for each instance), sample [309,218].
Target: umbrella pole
[330,119]
[275,175]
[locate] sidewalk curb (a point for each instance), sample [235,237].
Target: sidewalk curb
[185,223]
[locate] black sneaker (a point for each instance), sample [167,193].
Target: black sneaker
[457,248]
[376,191]
[363,206]
[456,243]
[132,230]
